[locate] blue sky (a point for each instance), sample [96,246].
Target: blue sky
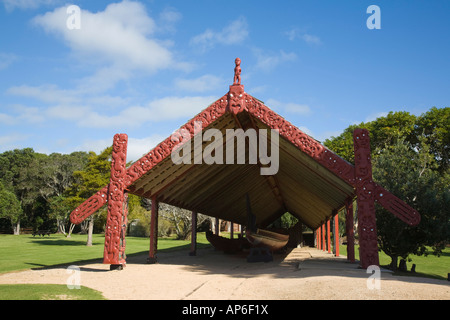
[145,67]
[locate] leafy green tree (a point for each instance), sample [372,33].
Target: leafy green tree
[93,177]
[410,159]
[409,175]
[434,126]
[10,208]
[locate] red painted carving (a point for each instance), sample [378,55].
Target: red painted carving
[304,142]
[349,230]
[89,206]
[235,101]
[236,95]
[237,72]
[367,226]
[116,204]
[396,206]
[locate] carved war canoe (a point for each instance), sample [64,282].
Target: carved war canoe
[265,238]
[225,244]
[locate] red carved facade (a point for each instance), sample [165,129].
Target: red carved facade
[236,101]
[114,251]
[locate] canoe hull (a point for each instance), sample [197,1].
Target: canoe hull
[225,244]
[264,238]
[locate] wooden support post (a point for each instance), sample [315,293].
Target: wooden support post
[193,251]
[319,237]
[217,227]
[114,250]
[365,193]
[336,234]
[349,230]
[153,232]
[231,230]
[328,236]
[323,237]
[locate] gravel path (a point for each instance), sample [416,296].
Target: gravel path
[305,273]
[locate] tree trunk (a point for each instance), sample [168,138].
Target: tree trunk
[394,262]
[90,231]
[70,230]
[16,228]
[61,226]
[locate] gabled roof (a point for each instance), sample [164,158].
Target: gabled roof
[312,181]
[302,186]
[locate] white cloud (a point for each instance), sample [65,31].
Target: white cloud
[6,59]
[204,83]
[137,147]
[7,119]
[45,93]
[118,41]
[234,33]
[289,107]
[374,116]
[296,33]
[10,141]
[168,108]
[268,62]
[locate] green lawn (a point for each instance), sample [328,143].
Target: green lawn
[430,266]
[47,292]
[26,252]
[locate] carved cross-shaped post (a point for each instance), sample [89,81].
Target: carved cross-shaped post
[114,251]
[365,187]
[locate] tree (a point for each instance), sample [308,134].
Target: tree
[409,175]
[181,219]
[10,208]
[410,159]
[12,163]
[88,181]
[434,126]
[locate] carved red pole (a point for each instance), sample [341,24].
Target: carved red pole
[367,227]
[336,234]
[349,230]
[328,236]
[318,238]
[323,237]
[153,232]
[193,251]
[114,251]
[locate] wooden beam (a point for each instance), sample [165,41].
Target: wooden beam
[153,232]
[193,251]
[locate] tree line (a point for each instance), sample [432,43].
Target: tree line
[39,191]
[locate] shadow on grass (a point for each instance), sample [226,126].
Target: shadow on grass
[139,257]
[60,242]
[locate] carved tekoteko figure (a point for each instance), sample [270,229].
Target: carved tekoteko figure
[237,72]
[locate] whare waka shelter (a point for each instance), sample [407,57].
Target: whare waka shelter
[309,181]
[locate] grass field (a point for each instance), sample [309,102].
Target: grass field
[26,252]
[430,266]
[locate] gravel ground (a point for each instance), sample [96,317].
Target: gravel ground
[303,274]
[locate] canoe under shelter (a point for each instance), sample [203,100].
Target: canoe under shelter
[238,153]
